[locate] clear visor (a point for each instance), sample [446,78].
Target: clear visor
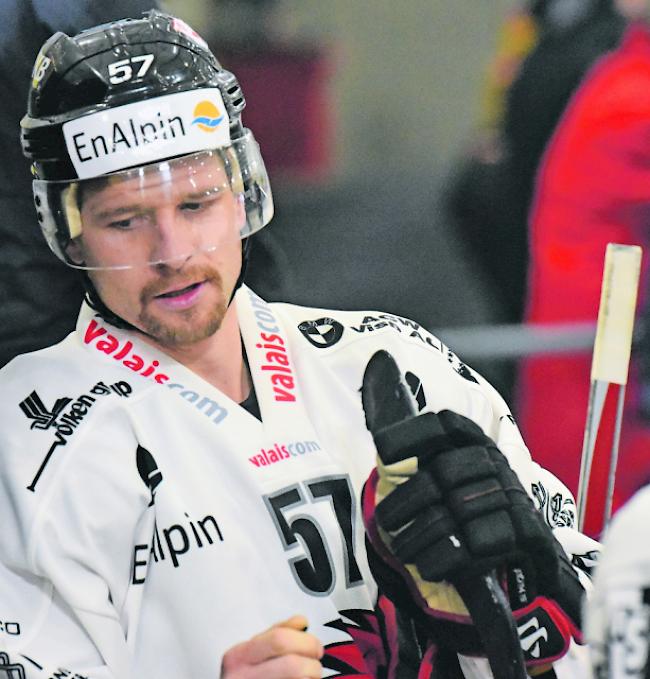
[162,213]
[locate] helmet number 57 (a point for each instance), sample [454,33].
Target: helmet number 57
[121,71]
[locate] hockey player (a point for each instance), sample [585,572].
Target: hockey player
[618,613]
[188,486]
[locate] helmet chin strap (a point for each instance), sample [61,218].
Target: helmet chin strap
[245,257]
[95,302]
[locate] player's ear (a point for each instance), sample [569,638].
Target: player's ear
[74,251]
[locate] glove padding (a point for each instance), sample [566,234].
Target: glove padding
[444,505]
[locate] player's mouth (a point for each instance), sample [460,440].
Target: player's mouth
[181,297]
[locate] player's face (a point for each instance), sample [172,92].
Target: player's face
[181,232]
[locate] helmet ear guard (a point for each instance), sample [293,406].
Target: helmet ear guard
[258,200]
[49,201]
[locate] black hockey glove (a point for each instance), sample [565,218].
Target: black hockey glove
[445,506]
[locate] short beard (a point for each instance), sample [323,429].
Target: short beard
[188,330]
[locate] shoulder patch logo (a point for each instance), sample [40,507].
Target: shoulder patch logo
[65,415]
[41,417]
[558,510]
[9,669]
[322,333]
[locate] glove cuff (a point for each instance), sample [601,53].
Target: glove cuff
[545,631]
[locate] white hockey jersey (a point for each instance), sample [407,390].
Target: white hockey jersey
[618,614]
[149,523]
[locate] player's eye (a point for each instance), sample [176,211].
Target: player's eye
[203,204]
[193,206]
[128,222]
[120,224]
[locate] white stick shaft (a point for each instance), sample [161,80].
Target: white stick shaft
[597,396]
[611,357]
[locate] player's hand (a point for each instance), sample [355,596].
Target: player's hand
[445,505]
[284,651]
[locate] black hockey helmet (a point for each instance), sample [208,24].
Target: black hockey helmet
[132,93]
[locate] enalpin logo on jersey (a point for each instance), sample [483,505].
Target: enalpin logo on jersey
[322,333]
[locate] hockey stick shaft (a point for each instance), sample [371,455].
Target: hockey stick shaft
[611,478]
[610,360]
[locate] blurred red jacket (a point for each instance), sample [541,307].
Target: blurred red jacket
[592,188]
